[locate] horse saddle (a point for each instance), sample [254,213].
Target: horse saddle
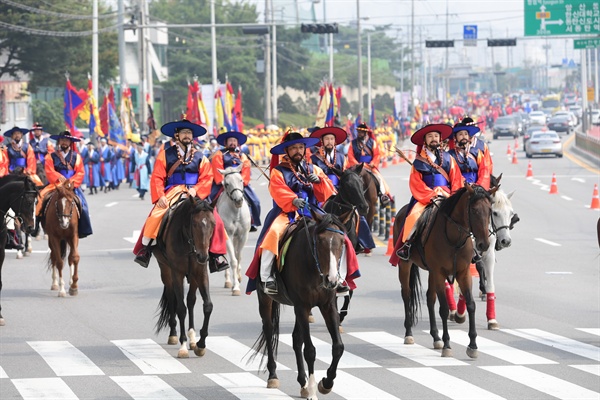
[50,195]
[424,224]
[286,239]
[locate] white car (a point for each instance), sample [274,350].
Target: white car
[537,118]
[544,143]
[595,117]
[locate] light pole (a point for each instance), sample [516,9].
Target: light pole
[369,99]
[213,54]
[358,47]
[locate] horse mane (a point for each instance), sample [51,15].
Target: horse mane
[11,178]
[326,221]
[449,203]
[181,216]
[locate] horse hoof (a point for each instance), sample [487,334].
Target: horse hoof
[273,383]
[1,321]
[304,392]
[173,340]
[183,354]
[322,388]
[193,346]
[228,285]
[200,352]
[235,293]
[54,287]
[62,294]
[368,254]
[459,319]
[452,315]
[311,319]
[341,329]
[438,345]
[73,292]
[19,254]
[446,352]
[472,353]
[493,325]
[409,340]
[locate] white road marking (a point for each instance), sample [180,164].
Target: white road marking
[498,350]
[323,349]
[590,369]
[150,357]
[246,386]
[578,180]
[147,387]
[413,352]
[134,238]
[592,331]
[65,359]
[3,373]
[566,198]
[236,353]
[352,388]
[559,273]
[44,388]
[547,242]
[558,342]
[114,203]
[445,384]
[548,384]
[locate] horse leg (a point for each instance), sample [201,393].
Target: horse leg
[74,265]
[2,255]
[331,316]
[433,329]
[345,307]
[28,247]
[436,283]
[58,262]
[191,302]
[489,263]
[309,352]
[228,284]
[207,308]
[269,314]
[297,344]
[167,280]
[465,282]
[181,312]
[233,266]
[404,278]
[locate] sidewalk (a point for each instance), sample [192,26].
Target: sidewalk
[588,157]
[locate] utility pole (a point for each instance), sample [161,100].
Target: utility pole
[121,38]
[143,67]
[213,54]
[267,116]
[95,49]
[274,103]
[359,50]
[412,56]
[369,96]
[447,72]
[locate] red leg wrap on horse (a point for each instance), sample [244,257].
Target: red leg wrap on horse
[218,242]
[450,297]
[491,306]
[462,305]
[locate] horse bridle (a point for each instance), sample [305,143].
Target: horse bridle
[17,218]
[230,193]
[61,215]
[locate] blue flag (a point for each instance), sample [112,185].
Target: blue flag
[115,130]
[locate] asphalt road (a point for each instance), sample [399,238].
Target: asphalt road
[102,344]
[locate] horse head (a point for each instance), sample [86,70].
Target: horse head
[328,241]
[19,193]
[479,215]
[65,204]
[201,227]
[352,192]
[502,218]
[233,184]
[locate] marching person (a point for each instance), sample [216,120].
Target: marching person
[141,177]
[231,156]
[325,154]
[473,163]
[294,186]
[106,156]
[91,163]
[41,146]
[181,169]
[364,149]
[434,175]
[20,154]
[62,164]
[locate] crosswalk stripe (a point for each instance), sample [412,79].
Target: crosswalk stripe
[237,353]
[499,350]
[445,384]
[3,373]
[593,331]
[591,369]
[544,383]
[413,352]
[150,357]
[147,387]
[65,359]
[352,388]
[44,388]
[246,386]
[558,342]
[323,349]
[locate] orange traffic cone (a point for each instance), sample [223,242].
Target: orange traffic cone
[385,163]
[474,272]
[516,144]
[529,171]
[595,200]
[395,160]
[508,151]
[553,187]
[514,159]
[390,245]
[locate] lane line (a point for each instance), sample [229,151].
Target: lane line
[351,387]
[3,373]
[544,383]
[246,386]
[114,203]
[592,331]
[558,342]
[65,359]
[567,198]
[558,273]
[147,388]
[237,353]
[547,242]
[590,369]
[44,388]
[150,357]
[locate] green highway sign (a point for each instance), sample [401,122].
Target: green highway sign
[586,43]
[562,17]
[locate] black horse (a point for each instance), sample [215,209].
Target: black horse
[17,192]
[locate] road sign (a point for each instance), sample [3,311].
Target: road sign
[564,17]
[586,43]
[590,94]
[470,35]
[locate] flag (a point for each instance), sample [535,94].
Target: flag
[330,118]
[90,113]
[74,102]
[234,124]
[229,104]
[127,115]
[356,123]
[192,112]
[219,111]
[115,130]
[238,112]
[323,107]
[151,122]
[103,114]
[226,119]
[372,120]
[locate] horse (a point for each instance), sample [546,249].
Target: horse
[309,277]
[445,249]
[182,250]
[61,224]
[18,193]
[235,213]
[370,190]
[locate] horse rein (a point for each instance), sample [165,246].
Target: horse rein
[69,216]
[17,218]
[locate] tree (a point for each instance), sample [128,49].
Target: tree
[49,114]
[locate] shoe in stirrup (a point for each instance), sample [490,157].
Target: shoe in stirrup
[143,256]
[271,287]
[217,263]
[342,289]
[476,258]
[384,199]
[403,252]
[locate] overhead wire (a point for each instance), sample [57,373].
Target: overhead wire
[55,14]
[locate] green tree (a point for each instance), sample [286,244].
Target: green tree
[49,114]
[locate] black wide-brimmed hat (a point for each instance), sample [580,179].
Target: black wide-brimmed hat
[65,135]
[291,139]
[10,132]
[241,138]
[467,124]
[171,128]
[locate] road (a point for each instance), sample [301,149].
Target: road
[101,344]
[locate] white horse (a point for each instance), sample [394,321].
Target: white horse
[235,213]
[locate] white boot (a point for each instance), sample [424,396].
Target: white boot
[266,263]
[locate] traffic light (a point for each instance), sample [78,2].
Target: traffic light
[255,30]
[439,43]
[501,42]
[319,28]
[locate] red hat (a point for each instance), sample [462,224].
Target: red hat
[339,133]
[444,130]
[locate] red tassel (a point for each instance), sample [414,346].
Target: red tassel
[462,305]
[491,306]
[450,297]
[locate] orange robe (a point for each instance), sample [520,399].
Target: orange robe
[373,166]
[217,163]
[53,178]
[3,163]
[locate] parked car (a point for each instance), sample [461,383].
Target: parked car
[544,143]
[531,130]
[506,126]
[538,118]
[560,123]
[596,117]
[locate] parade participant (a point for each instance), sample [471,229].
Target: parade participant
[91,163]
[12,239]
[3,158]
[106,156]
[364,149]
[117,165]
[20,154]
[41,146]
[231,156]
[472,162]
[141,177]
[434,175]
[64,163]
[325,154]
[294,187]
[178,170]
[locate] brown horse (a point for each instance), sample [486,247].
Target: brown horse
[182,250]
[370,190]
[444,247]
[19,194]
[61,222]
[309,277]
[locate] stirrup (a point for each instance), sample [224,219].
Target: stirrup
[271,288]
[403,252]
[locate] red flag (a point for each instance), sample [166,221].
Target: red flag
[74,101]
[192,112]
[239,114]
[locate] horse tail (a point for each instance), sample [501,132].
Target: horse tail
[260,346]
[163,312]
[63,249]
[414,303]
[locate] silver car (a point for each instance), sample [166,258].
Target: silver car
[542,143]
[538,118]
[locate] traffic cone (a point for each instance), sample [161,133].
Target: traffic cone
[516,144]
[553,187]
[595,200]
[508,151]
[385,163]
[529,171]
[514,159]
[474,272]
[395,160]
[390,245]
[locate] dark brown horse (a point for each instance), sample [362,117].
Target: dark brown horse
[61,222]
[370,185]
[182,250]
[17,193]
[445,249]
[309,277]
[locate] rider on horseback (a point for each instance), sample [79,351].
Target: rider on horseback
[178,170]
[325,155]
[434,175]
[41,146]
[473,163]
[20,154]
[364,149]
[231,156]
